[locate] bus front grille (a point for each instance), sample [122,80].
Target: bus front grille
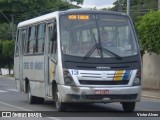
[98,82]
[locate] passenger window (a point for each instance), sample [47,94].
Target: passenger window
[31,40]
[23,39]
[40,38]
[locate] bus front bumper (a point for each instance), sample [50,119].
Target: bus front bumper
[89,94]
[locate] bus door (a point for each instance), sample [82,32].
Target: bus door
[23,33]
[50,62]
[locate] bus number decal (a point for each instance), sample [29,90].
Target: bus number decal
[74,72]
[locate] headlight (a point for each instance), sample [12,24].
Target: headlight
[68,80]
[137,79]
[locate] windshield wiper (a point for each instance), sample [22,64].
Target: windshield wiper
[96,46]
[95,40]
[110,52]
[91,51]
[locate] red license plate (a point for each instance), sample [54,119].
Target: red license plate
[101,92]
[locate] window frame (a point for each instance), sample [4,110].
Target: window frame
[40,39]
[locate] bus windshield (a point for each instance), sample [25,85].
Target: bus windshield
[100,35]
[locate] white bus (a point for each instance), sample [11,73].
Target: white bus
[78,56]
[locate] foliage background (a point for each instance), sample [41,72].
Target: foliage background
[148,28]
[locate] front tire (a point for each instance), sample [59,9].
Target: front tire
[128,106]
[60,106]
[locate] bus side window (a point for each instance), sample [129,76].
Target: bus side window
[53,39]
[31,40]
[17,44]
[40,38]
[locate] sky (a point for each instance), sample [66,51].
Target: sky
[98,3]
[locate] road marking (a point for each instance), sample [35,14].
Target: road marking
[53,118]
[3,91]
[14,90]
[14,106]
[7,90]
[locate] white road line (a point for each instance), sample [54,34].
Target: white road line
[53,118]
[14,90]
[14,106]
[3,91]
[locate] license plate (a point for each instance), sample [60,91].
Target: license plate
[101,92]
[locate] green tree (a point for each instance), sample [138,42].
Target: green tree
[20,10]
[5,31]
[8,53]
[78,1]
[137,7]
[26,9]
[1,56]
[149,31]
[63,6]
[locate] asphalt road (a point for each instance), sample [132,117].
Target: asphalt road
[12,100]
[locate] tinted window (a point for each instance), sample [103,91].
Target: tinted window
[40,38]
[31,39]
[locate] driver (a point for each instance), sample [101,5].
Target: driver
[106,40]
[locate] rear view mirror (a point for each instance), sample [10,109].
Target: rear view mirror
[142,52]
[52,29]
[53,34]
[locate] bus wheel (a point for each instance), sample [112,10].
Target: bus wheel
[60,106]
[31,99]
[128,106]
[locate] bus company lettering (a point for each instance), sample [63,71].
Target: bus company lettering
[38,65]
[26,65]
[33,65]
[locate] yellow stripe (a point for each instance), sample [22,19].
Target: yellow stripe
[119,75]
[52,72]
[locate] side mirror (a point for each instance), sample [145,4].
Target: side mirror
[141,52]
[53,34]
[54,61]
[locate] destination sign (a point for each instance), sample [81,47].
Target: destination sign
[78,17]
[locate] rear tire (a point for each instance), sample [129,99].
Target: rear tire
[128,106]
[33,99]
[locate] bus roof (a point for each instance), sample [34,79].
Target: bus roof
[53,14]
[37,19]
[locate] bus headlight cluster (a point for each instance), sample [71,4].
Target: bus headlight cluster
[137,79]
[68,80]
